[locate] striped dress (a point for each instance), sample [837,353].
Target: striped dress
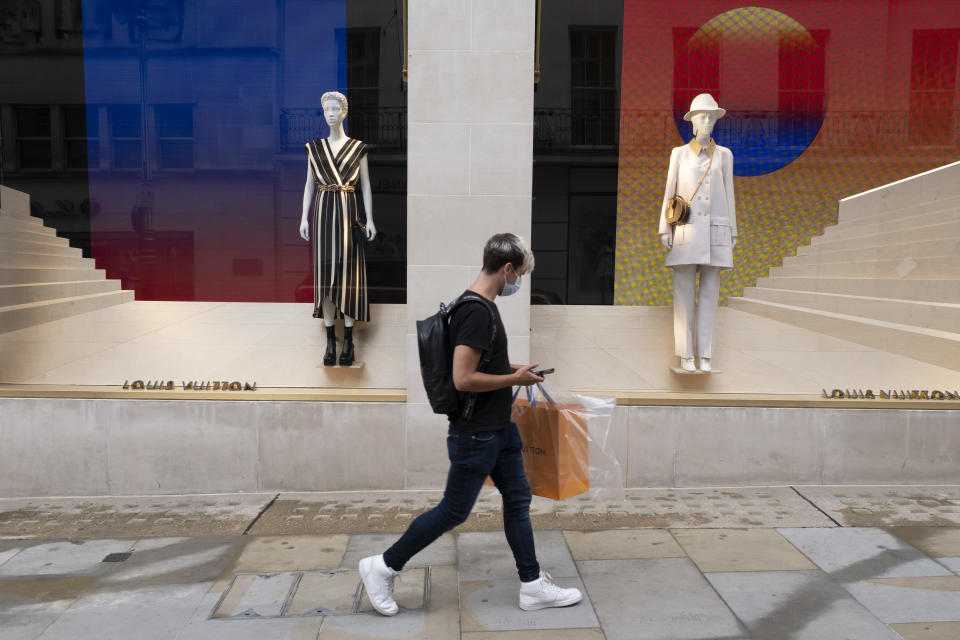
[339,265]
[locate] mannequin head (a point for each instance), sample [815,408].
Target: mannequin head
[703,122]
[334,106]
[703,115]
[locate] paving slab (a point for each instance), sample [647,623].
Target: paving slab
[409,591]
[493,605]
[799,605]
[485,555]
[9,549]
[130,516]
[257,595]
[272,554]
[149,613]
[910,599]
[928,630]
[951,563]
[325,592]
[852,554]
[888,506]
[741,550]
[936,542]
[24,619]
[64,557]
[622,544]
[441,621]
[175,560]
[443,551]
[201,627]
[657,599]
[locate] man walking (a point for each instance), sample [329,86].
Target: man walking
[485,444]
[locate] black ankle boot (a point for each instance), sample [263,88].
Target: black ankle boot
[330,356]
[346,354]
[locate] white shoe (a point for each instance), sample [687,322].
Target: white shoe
[542,593]
[378,581]
[687,364]
[705,364]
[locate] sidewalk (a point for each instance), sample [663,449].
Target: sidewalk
[772,563]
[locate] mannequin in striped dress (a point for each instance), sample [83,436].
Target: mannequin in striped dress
[340,227]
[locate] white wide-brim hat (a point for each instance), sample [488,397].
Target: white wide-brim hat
[704,102]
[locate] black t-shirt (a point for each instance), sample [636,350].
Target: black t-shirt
[470,326]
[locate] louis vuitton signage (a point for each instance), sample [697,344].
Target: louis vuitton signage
[191,385]
[891,394]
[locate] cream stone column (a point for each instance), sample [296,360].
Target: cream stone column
[469,176]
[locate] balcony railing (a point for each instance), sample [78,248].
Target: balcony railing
[386,128]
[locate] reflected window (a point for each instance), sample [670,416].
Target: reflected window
[363,83]
[696,67]
[802,86]
[593,85]
[175,135]
[81,138]
[34,138]
[933,83]
[125,128]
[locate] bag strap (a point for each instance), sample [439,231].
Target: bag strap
[471,397]
[702,178]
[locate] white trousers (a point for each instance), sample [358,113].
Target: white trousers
[693,311]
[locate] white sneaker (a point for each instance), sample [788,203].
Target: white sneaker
[687,364]
[542,593]
[705,364]
[378,581]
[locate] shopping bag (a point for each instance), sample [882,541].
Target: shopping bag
[555,445]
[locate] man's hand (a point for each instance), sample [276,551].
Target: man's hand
[524,376]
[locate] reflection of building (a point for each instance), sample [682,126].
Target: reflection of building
[575,151]
[220,117]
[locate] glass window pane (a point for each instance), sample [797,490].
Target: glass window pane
[77,154]
[174,120]
[176,154]
[126,154]
[75,123]
[33,122]
[35,154]
[125,121]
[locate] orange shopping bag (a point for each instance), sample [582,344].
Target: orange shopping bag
[555,445]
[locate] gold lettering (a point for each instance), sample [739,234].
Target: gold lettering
[937,395]
[235,386]
[187,386]
[870,395]
[137,384]
[836,393]
[216,385]
[884,395]
[126,384]
[248,387]
[923,395]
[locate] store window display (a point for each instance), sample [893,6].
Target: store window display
[701,172]
[341,225]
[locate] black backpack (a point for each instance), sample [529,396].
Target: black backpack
[436,359]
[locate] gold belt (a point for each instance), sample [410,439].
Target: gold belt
[336,187]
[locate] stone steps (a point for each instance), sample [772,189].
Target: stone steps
[934,229]
[911,249]
[20,316]
[930,290]
[40,246]
[868,228]
[30,275]
[25,259]
[36,238]
[43,278]
[930,315]
[941,348]
[932,268]
[18,294]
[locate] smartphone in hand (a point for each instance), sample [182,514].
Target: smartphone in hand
[543,372]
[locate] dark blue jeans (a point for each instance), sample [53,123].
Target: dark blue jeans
[473,457]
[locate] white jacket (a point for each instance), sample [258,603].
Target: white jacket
[707,238]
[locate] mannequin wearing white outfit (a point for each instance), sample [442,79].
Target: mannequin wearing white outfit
[705,243]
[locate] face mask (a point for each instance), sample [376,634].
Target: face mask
[510,289]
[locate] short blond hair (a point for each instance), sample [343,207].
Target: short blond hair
[506,248]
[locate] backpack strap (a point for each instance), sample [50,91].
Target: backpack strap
[470,399]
